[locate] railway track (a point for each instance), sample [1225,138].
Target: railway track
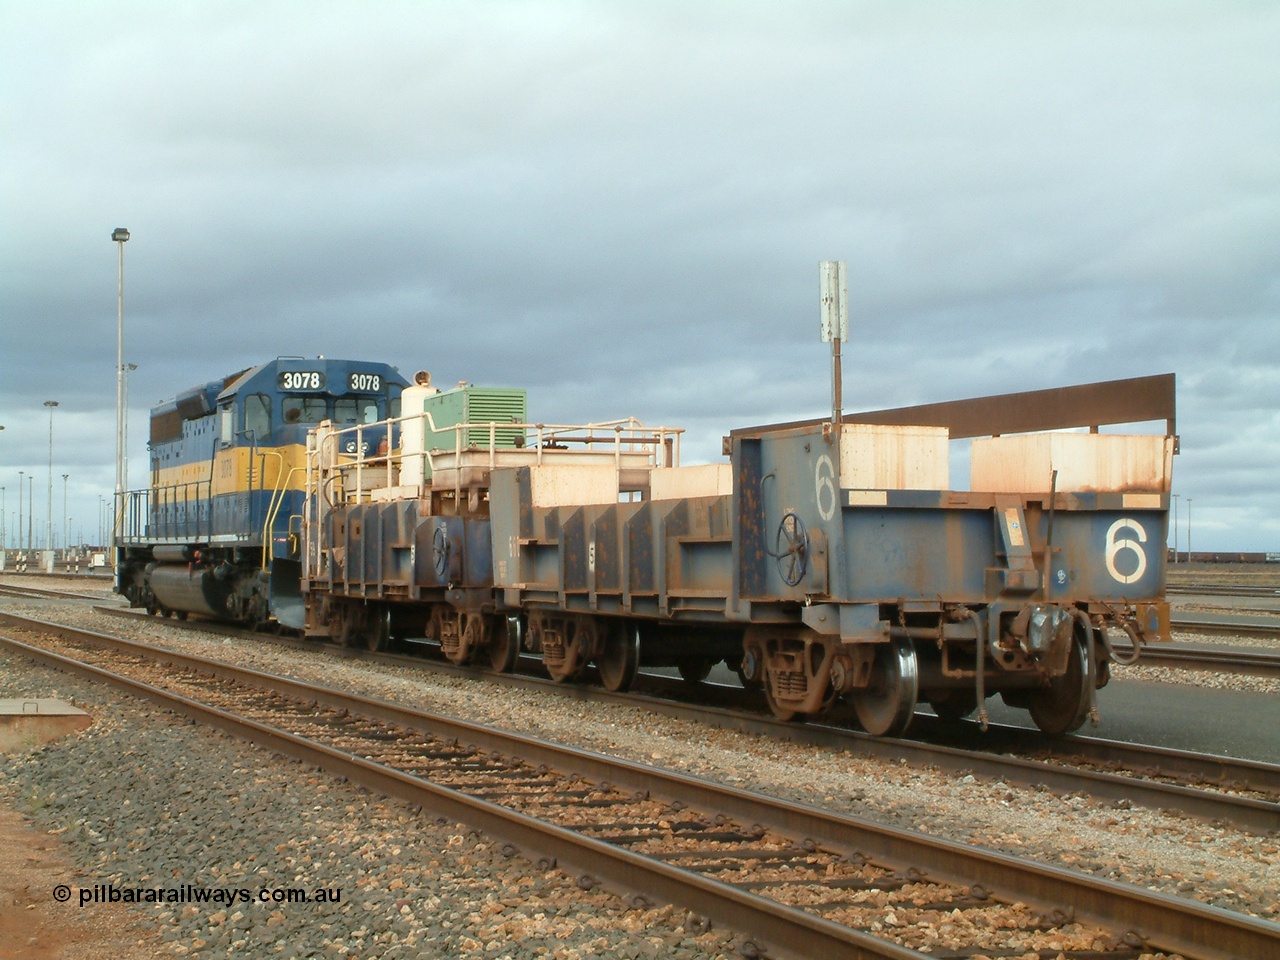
[1186,656]
[1253,663]
[1241,792]
[1223,590]
[1201,624]
[9,590]
[793,879]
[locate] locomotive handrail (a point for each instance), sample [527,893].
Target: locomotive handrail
[154,512]
[626,436]
[273,508]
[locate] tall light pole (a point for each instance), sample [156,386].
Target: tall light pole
[120,235]
[66,541]
[48,532]
[128,369]
[31,510]
[21,475]
[1175,528]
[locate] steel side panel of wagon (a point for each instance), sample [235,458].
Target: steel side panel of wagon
[656,558]
[803,537]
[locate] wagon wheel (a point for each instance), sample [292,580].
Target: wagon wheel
[619,660]
[505,643]
[1063,706]
[888,703]
[791,549]
[377,630]
[345,624]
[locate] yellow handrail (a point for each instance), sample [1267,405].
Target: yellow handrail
[273,508]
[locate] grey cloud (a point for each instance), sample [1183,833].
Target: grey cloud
[622,206]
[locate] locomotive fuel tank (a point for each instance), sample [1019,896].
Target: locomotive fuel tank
[180,587]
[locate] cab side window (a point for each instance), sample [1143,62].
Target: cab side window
[257,416]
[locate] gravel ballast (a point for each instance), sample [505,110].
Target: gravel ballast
[145,800]
[242,804]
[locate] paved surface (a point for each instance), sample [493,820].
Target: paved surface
[1229,722]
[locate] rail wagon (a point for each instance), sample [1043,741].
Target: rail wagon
[822,561]
[216,532]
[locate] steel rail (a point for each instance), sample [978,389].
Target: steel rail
[956,749]
[773,923]
[10,590]
[1220,628]
[1222,590]
[1254,663]
[1164,922]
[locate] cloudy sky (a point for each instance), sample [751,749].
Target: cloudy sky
[622,205]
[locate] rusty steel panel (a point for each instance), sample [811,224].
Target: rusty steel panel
[1087,405]
[605,559]
[748,514]
[1135,400]
[641,550]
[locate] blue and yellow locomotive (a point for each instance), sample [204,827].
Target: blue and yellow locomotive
[216,531]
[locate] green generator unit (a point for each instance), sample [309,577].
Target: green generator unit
[476,406]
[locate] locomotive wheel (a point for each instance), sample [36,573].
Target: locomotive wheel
[886,706]
[954,705]
[620,659]
[504,648]
[1063,705]
[695,669]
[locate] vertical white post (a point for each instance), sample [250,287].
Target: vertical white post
[119,235]
[834,318]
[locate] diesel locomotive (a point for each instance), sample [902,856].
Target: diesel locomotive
[823,561]
[216,531]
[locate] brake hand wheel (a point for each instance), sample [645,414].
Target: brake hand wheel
[791,549]
[440,552]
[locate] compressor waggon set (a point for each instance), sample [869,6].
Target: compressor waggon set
[823,561]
